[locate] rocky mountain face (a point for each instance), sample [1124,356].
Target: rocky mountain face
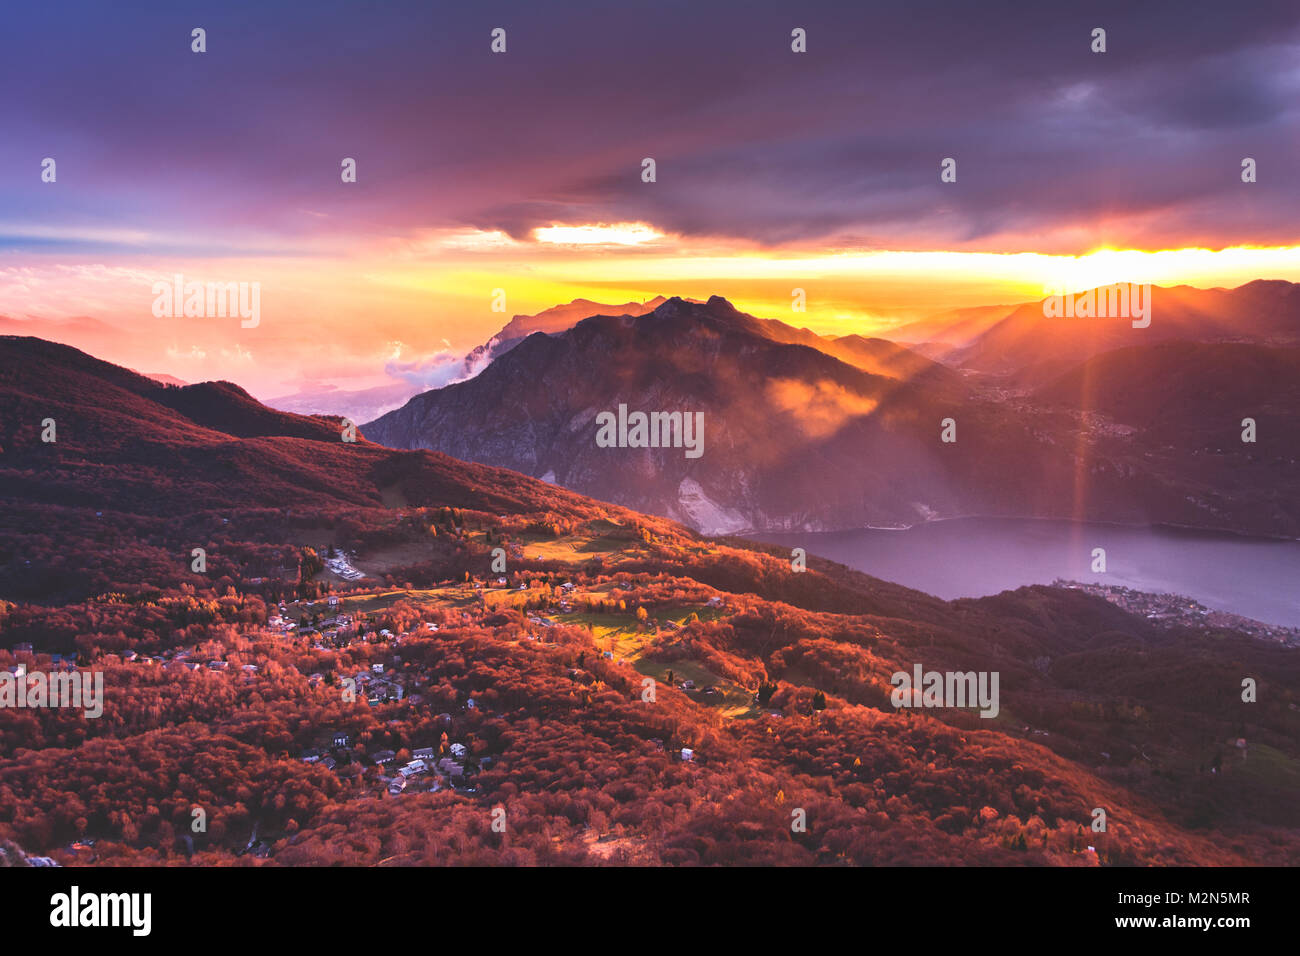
[555,319]
[792,437]
[802,432]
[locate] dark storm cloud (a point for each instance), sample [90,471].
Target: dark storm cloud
[752,141]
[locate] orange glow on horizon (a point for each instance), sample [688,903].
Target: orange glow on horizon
[434,292]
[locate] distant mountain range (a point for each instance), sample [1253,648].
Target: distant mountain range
[1033,347]
[358,405]
[809,432]
[953,329]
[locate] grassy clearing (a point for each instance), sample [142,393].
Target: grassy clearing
[453,596]
[731,701]
[1267,768]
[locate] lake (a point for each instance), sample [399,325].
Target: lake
[973,557]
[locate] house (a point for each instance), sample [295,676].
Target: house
[382,690]
[341,739]
[714,602]
[451,768]
[397,786]
[469,704]
[310,756]
[383,756]
[333,600]
[329,763]
[377,668]
[688,754]
[458,751]
[424,753]
[688,685]
[412,768]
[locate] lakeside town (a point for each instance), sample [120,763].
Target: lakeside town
[1180,610]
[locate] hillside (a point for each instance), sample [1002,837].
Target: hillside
[952,329]
[1260,312]
[771,687]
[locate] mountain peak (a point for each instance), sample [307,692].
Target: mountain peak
[716,305]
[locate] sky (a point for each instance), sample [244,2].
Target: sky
[522,171]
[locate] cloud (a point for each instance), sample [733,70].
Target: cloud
[752,142]
[819,409]
[441,368]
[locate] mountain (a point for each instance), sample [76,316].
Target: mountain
[1262,312]
[1168,419]
[558,318]
[629,692]
[875,355]
[953,329]
[358,405]
[795,438]
[162,378]
[1192,393]
[561,317]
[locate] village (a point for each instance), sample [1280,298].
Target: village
[1176,609]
